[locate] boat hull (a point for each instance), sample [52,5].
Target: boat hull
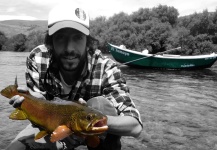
[137,59]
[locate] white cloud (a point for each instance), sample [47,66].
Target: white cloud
[186,7]
[11,17]
[11,9]
[42,2]
[48,3]
[40,8]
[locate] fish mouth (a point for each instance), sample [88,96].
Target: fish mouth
[99,127]
[6,92]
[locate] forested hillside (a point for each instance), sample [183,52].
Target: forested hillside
[21,35]
[157,29]
[13,27]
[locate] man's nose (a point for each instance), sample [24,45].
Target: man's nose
[70,45]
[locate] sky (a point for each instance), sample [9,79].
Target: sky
[39,9]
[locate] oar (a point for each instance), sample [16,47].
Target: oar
[146,57]
[136,60]
[150,56]
[167,51]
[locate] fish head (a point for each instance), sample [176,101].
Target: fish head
[9,91]
[90,122]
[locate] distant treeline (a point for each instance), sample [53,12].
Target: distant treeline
[156,29]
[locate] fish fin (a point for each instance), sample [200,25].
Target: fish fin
[60,133]
[18,114]
[92,141]
[16,83]
[41,134]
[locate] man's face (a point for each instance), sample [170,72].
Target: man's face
[69,48]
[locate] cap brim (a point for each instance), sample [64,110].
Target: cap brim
[68,24]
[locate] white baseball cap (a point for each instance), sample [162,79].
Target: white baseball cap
[68,16]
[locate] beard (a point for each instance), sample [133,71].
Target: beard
[70,61]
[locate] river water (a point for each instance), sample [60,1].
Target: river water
[178,108]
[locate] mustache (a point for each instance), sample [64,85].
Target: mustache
[70,54]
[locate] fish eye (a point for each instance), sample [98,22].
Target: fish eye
[89,117]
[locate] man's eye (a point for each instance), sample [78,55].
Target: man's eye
[78,37]
[60,37]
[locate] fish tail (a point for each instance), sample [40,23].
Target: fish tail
[10,90]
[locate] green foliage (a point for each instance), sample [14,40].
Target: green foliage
[157,29]
[157,36]
[16,43]
[34,39]
[202,24]
[203,44]
[3,39]
[142,15]
[144,28]
[166,14]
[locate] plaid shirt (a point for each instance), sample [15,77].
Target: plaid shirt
[102,78]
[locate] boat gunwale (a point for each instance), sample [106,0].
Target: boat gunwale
[168,56]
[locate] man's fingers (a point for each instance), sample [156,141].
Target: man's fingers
[82,101]
[22,89]
[16,101]
[13,99]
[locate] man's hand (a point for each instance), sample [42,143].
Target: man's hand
[82,101]
[62,101]
[17,100]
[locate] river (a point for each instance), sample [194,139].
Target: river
[178,108]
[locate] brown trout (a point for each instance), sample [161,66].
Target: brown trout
[58,120]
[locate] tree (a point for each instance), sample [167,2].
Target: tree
[204,24]
[166,14]
[203,44]
[3,39]
[34,39]
[98,28]
[142,15]
[119,30]
[157,36]
[16,43]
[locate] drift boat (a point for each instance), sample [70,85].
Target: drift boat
[164,61]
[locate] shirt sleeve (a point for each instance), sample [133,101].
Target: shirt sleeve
[116,90]
[33,80]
